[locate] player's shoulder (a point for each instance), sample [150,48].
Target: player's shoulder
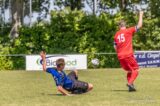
[51,70]
[131,28]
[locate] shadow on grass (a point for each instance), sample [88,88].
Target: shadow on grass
[52,94]
[55,94]
[121,90]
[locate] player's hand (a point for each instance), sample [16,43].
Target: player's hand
[141,12]
[69,95]
[42,54]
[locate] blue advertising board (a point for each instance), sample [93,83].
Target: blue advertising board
[148,58]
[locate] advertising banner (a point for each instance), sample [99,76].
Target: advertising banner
[148,58]
[77,61]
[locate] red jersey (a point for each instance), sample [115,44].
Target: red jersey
[123,42]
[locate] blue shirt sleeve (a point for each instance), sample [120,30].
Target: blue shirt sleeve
[136,28]
[49,70]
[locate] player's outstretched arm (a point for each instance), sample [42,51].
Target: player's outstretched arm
[43,56]
[140,22]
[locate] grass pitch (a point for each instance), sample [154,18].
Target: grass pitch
[21,88]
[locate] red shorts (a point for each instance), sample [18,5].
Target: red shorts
[129,63]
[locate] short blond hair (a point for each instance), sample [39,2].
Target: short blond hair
[60,62]
[121,23]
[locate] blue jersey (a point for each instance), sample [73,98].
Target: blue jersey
[60,78]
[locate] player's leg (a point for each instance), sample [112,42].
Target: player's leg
[125,64]
[80,87]
[131,85]
[133,66]
[133,77]
[129,73]
[134,69]
[73,75]
[130,82]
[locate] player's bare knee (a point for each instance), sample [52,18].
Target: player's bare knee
[90,86]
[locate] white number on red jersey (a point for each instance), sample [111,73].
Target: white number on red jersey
[121,38]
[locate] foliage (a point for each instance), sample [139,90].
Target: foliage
[5,62]
[154,7]
[73,4]
[149,37]
[78,32]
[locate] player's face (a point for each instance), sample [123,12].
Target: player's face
[122,24]
[62,66]
[122,27]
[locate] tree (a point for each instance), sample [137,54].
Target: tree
[121,5]
[17,17]
[155,8]
[73,4]
[20,8]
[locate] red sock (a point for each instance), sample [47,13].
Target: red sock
[128,76]
[134,75]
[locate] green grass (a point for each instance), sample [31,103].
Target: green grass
[21,88]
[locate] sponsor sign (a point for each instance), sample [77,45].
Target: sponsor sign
[77,61]
[148,58]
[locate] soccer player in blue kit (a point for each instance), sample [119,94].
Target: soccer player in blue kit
[66,84]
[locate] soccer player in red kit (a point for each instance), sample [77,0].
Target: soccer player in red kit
[123,46]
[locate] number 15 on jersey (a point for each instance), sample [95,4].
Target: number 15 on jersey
[121,38]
